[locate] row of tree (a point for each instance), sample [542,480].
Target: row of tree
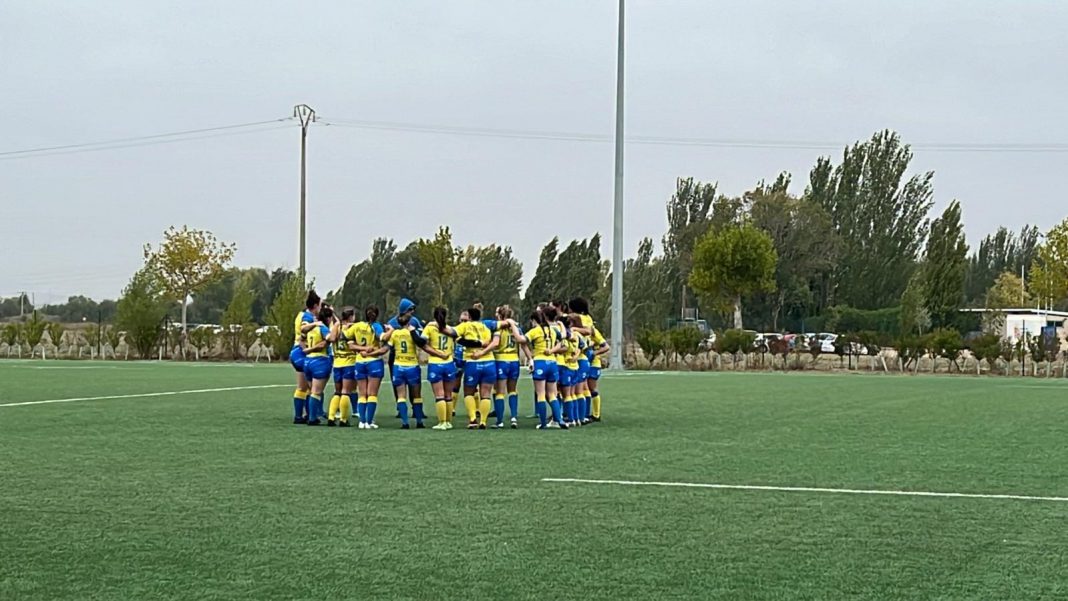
[859,238]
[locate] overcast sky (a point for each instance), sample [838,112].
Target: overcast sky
[936,71]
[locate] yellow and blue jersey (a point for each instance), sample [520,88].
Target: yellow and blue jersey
[575,347]
[583,348]
[508,349]
[303,317]
[343,356]
[404,349]
[541,341]
[439,341]
[563,333]
[475,330]
[597,341]
[369,335]
[316,336]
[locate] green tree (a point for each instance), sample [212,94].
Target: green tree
[690,215]
[55,334]
[81,308]
[15,306]
[113,338]
[416,281]
[947,343]
[945,265]
[283,310]
[880,218]
[1049,275]
[543,285]
[652,342]
[371,282]
[578,269]
[645,286]
[685,340]
[275,281]
[237,320]
[997,253]
[733,262]
[914,315]
[94,338]
[438,258]
[209,303]
[140,313]
[735,341]
[491,274]
[1008,291]
[805,242]
[12,337]
[986,347]
[34,331]
[186,261]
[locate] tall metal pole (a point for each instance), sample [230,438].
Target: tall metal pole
[306,114]
[617,205]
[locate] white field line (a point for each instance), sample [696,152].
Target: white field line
[143,395]
[808,489]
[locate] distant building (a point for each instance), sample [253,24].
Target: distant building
[1030,322]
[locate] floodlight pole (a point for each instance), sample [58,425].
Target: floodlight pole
[617,204]
[306,115]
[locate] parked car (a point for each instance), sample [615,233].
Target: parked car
[827,345]
[762,343]
[795,341]
[260,331]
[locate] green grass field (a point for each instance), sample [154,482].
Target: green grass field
[215,495]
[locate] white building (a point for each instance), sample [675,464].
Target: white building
[1020,322]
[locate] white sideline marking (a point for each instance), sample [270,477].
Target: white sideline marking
[844,491]
[143,395]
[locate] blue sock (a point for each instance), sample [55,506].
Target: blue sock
[587,405]
[369,412]
[581,408]
[556,411]
[305,407]
[402,408]
[569,410]
[298,408]
[543,416]
[417,412]
[315,407]
[498,408]
[513,404]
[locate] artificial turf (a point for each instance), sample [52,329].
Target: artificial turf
[216,495]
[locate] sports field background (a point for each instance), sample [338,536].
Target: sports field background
[216,495]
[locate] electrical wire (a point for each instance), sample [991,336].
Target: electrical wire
[1037,147]
[146,143]
[139,138]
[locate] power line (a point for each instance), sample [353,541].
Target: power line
[1034,147]
[177,136]
[148,137]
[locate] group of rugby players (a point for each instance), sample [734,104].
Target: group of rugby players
[479,355]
